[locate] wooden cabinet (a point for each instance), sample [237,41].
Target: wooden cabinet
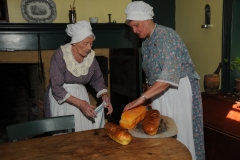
[221,127]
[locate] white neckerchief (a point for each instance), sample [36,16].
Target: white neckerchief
[153,30]
[77,69]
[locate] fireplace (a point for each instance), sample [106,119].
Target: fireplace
[23,89]
[21,93]
[20,44]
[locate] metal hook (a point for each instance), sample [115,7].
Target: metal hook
[109,17]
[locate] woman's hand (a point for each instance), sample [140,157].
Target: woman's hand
[83,105]
[134,103]
[107,103]
[152,91]
[88,109]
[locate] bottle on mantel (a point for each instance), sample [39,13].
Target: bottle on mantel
[212,81]
[72,16]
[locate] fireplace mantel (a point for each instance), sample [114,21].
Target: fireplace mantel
[24,36]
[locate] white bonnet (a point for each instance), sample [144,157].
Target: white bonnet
[79,31]
[139,10]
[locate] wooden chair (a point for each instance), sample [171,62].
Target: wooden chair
[36,127]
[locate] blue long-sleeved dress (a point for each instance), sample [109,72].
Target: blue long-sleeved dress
[166,59]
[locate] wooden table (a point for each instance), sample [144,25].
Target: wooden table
[94,145]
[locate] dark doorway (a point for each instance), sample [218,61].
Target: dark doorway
[125,79]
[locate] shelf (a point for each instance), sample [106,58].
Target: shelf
[24,36]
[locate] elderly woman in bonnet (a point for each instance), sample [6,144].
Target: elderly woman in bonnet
[174,87]
[72,66]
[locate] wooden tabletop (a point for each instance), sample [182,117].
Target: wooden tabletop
[94,145]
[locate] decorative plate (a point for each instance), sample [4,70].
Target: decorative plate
[38,11]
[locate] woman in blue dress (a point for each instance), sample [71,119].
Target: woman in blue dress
[173,83]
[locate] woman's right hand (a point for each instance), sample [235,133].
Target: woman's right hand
[134,104]
[83,105]
[88,109]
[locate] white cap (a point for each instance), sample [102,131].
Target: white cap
[139,10]
[79,31]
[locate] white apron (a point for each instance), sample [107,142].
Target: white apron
[177,104]
[81,121]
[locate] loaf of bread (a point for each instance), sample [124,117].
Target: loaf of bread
[151,122]
[132,117]
[118,133]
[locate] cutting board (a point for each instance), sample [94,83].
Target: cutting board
[167,128]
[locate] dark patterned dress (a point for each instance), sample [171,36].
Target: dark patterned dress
[68,78]
[166,59]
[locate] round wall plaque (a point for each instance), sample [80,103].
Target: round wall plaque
[38,11]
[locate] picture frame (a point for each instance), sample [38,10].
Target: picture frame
[3,11]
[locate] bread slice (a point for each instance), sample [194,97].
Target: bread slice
[132,117]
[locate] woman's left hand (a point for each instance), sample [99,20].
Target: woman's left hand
[107,103]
